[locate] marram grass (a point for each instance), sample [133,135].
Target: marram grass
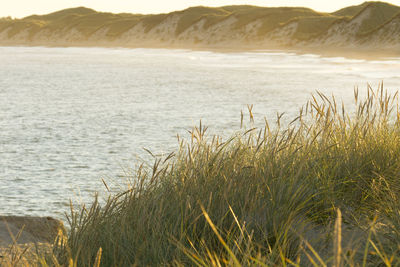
[321,191]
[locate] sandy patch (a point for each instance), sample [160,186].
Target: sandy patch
[25,229]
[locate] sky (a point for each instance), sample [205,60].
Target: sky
[22,8]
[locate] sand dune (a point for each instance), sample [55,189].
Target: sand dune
[370,27]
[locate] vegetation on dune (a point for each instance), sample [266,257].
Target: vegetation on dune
[60,15]
[65,12]
[270,17]
[309,22]
[194,14]
[19,26]
[320,191]
[380,13]
[90,23]
[5,19]
[211,20]
[385,26]
[236,8]
[350,11]
[118,27]
[309,27]
[151,21]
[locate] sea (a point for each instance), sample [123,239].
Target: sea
[75,119]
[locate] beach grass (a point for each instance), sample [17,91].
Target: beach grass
[319,190]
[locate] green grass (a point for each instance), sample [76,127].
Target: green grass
[290,194]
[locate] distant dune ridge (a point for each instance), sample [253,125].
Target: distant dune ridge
[371,26]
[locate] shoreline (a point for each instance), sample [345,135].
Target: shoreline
[350,53]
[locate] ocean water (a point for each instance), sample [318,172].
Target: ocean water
[70,117]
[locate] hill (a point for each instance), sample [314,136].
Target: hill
[365,26]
